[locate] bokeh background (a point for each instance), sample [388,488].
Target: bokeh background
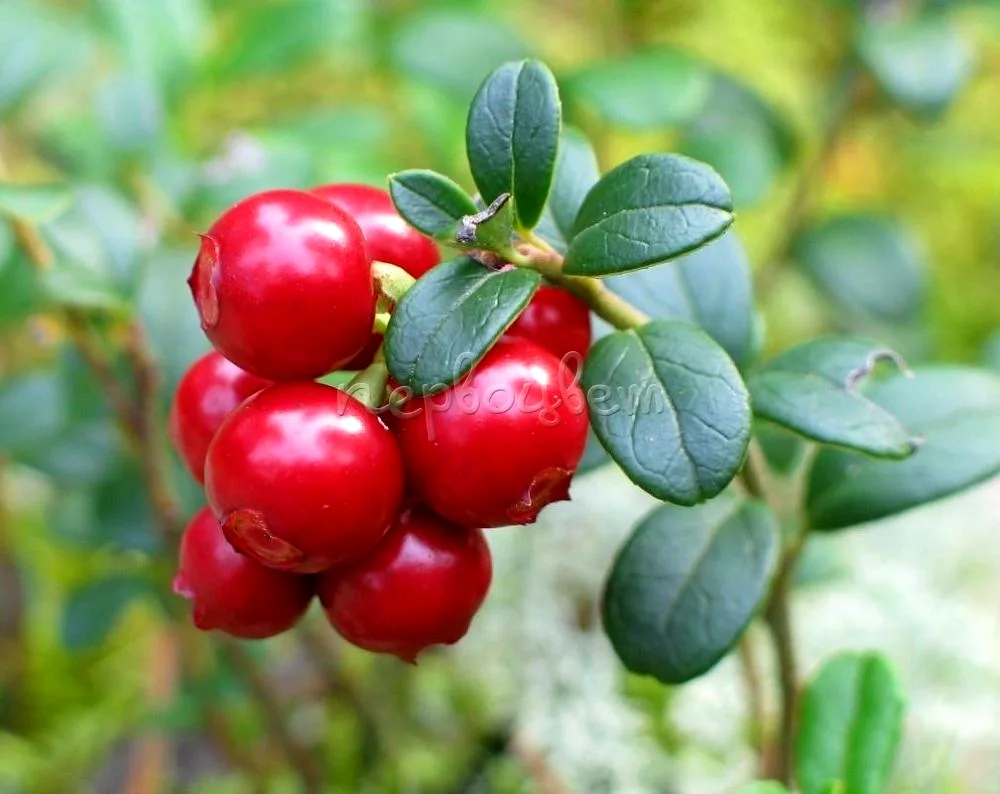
[862,143]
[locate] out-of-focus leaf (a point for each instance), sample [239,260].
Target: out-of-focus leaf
[18,284]
[865,265]
[742,137]
[82,453]
[921,62]
[710,287]
[71,284]
[32,408]
[576,173]
[123,512]
[91,611]
[34,204]
[454,50]
[131,112]
[782,448]
[954,410]
[643,90]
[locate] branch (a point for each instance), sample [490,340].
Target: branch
[754,691]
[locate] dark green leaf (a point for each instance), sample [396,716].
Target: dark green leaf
[34,204]
[430,202]
[669,406]
[449,320]
[490,230]
[644,90]
[922,63]
[865,265]
[32,409]
[650,209]
[455,51]
[81,453]
[576,173]
[740,136]
[850,722]
[92,610]
[512,137]
[814,389]
[687,583]
[710,287]
[956,413]
[123,513]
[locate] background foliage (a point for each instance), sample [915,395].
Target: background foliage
[862,156]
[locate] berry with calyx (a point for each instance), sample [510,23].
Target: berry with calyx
[304,477]
[283,285]
[231,592]
[498,446]
[207,393]
[420,586]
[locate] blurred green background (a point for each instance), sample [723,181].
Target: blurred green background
[862,143]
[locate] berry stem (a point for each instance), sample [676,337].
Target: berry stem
[391,281]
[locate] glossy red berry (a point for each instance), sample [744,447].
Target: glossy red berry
[421,586]
[559,322]
[304,477]
[283,285]
[231,592]
[390,238]
[498,446]
[207,393]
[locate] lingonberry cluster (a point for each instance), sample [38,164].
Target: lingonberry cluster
[311,491]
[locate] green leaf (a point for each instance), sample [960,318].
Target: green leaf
[34,204]
[131,112]
[643,90]
[954,410]
[512,137]
[79,454]
[782,449]
[850,720]
[454,51]
[740,136]
[490,230]
[686,585]
[865,265]
[669,406]
[650,209]
[68,283]
[922,63]
[430,202]
[711,287]
[763,787]
[576,173]
[813,389]
[449,320]
[32,409]
[91,611]
[18,286]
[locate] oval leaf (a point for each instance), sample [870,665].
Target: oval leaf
[430,202]
[669,406]
[850,720]
[954,410]
[512,137]
[865,265]
[449,320]
[687,583]
[92,610]
[643,90]
[34,204]
[650,209]
[813,389]
[710,287]
[921,63]
[576,173]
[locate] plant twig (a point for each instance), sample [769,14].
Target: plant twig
[305,763]
[754,691]
[537,768]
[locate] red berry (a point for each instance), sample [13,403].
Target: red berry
[497,447]
[303,477]
[284,287]
[421,586]
[211,388]
[559,322]
[390,238]
[231,592]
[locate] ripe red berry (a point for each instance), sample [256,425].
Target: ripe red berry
[390,238]
[304,477]
[231,592]
[284,287]
[559,322]
[421,586]
[211,388]
[498,446]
